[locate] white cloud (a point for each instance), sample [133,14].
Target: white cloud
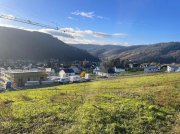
[87,41]
[12,26]
[100,17]
[84,14]
[71,18]
[56,33]
[90,33]
[90,15]
[77,36]
[73,33]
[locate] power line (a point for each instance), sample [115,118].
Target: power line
[13,18]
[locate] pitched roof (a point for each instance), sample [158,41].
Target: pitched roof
[119,67]
[68,70]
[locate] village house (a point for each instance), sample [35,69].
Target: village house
[66,73]
[50,71]
[173,68]
[134,65]
[76,69]
[118,69]
[96,70]
[100,72]
[19,78]
[151,69]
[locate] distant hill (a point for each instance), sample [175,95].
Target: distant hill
[21,44]
[162,52]
[98,50]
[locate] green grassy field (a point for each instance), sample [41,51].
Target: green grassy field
[130,73]
[144,104]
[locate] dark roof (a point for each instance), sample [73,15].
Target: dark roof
[68,70]
[65,67]
[118,66]
[88,66]
[74,67]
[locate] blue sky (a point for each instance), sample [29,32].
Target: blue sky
[120,22]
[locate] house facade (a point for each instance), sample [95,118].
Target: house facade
[19,78]
[50,71]
[119,69]
[96,70]
[99,72]
[173,68]
[66,73]
[151,69]
[102,74]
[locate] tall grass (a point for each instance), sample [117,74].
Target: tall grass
[145,104]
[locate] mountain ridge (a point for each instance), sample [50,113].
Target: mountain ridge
[167,52]
[27,45]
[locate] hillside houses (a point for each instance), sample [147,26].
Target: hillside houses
[21,78]
[97,69]
[108,72]
[134,65]
[118,69]
[39,73]
[66,73]
[76,69]
[151,69]
[173,68]
[50,71]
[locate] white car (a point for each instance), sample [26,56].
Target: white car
[75,78]
[64,80]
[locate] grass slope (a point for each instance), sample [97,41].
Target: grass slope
[145,104]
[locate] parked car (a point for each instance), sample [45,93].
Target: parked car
[75,78]
[85,80]
[64,80]
[55,79]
